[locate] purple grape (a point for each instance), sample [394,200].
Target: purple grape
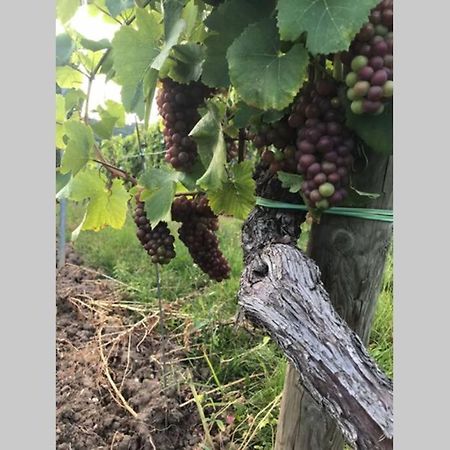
[375,93]
[366,73]
[379,78]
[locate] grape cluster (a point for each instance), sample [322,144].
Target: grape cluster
[178,105]
[198,224]
[279,134]
[158,242]
[369,62]
[324,145]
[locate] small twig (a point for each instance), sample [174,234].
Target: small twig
[116,171]
[116,390]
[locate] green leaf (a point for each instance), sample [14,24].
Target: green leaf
[107,208]
[90,59]
[331,24]
[60,118]
[262,75]
[159,192]
[66,9]
[228,20]
[190,14]
[172,12]
[64,49]
[94,45]
[237,195]
[171,39]
[187,62]
[79,146]
[115,7]
[189,179]
[67,77]
[111,116]
[245,114]
[134,52]
[211,147]
[60,108]
[375,131]
[290,181]
[74,99]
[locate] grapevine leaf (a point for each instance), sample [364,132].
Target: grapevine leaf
[61,181]
[262,75]
[189,179]
[172,13]
[331,24]
[115,7]
[107,208]
[190,14]
[245,115]
[67,77]
[79,146]
[227,22]
[94,46]
[66,9]
[375,131]
[60,118]
[60,108]
[272,115]
[64,49]
[134,52]
[237,195]
[187,62]
[159,191]
[290,181]
[211,147]
[74,99]
[171,39]
[112,116]
[90,59]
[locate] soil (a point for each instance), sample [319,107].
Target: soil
[109,390]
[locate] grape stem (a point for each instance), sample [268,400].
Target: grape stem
[193,193]
[115,170]
[241,147]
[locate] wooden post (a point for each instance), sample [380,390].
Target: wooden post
[351,255]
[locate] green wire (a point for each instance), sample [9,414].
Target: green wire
[383,215]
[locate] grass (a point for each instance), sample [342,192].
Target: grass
[243,372]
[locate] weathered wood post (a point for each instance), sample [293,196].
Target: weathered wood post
[351,255]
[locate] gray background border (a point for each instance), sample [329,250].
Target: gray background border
[421,231]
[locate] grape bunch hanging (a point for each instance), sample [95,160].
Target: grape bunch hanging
[157,241]
[369,62]
[198,224]
[178,105]
[324,144]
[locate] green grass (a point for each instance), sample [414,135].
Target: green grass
[218,353]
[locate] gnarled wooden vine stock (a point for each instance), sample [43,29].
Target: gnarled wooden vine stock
[281,290]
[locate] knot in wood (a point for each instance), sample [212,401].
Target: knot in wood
[343,241]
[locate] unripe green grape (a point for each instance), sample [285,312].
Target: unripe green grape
[351,79]
[323,204]
[388,88]
[381,30]
[357,106]
[351,94]
[326,190]
[359,62]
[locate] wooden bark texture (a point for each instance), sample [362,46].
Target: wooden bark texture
[281,291]
[351,255]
